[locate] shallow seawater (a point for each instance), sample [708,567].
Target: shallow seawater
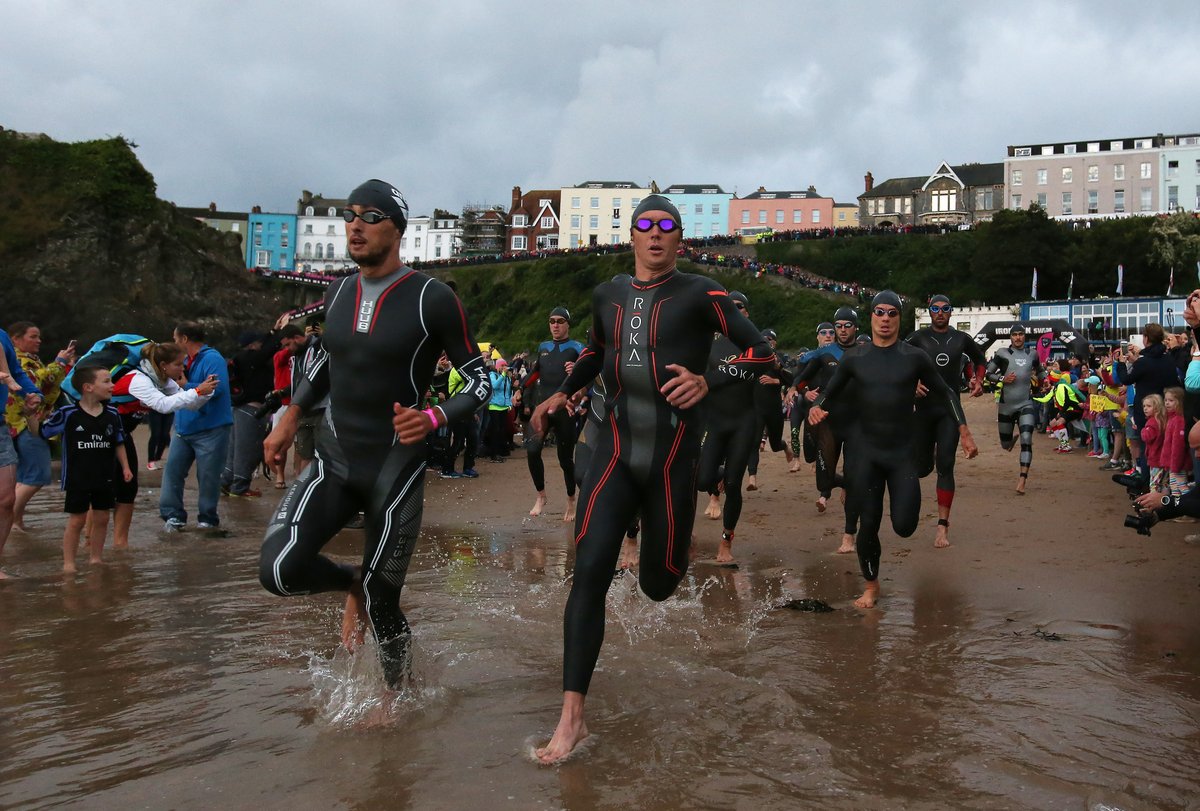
[167,678]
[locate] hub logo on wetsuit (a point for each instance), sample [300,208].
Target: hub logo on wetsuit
[637,333]
[364,316]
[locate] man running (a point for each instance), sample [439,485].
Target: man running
[385,327]
[880,449]
[829,437]
[768,410]
[1017,369]
[650,340]
[555,359]
[937,433]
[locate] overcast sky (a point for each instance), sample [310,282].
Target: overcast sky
[245,103]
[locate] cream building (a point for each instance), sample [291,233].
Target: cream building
[597,212]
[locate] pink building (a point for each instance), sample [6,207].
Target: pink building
[780,211]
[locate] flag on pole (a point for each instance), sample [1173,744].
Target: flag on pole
[1171,281]
[1198,271]
[1120,280]
[1071,286]
[1033,293]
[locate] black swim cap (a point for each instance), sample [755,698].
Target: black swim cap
[824,325]
[738,295]
[940,297]
[769,334]
[1016,328]
[383,196]
[656,202]
[561,312]
[863,339]
[846,314]
[886,297]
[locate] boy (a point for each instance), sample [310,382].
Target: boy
[92,437]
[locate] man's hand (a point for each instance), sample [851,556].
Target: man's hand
[1149,502]
[967,442]
[767,380]
[1191,310]
[539,420]
[811,395]
[411,426]
[816,414]
[207,386]
[975,387]
[685,389]
[127,474]
[280,439]
[922,389]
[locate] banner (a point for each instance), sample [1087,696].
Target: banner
[1120,280]
[1171,282]
[1033,293]
[1071,286]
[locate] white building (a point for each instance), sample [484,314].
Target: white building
[320,234]
[429,239]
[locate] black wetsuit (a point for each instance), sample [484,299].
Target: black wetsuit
[646,454]
[381,342]
[936,442]
[879,447]
[549,372]
[829,437]
[729,430]
[768,413]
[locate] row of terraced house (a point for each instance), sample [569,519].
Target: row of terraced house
[1145,175]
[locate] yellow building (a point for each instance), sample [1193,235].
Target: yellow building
[597,212]
[845,215]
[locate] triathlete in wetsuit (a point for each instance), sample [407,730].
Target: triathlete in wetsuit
[1017,369]
[803,444]
[768,409]
[729,433]
[554,361]
[829,437]
[880,447]
[384,330]
[936,442]
[650,340]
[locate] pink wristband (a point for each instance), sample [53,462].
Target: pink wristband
[432,417]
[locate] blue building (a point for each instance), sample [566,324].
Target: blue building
[1108,320]
[704,208]
[270,243]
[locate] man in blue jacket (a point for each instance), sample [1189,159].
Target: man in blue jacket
[201,436]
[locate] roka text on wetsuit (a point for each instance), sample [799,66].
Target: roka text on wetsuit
[879,447]
[381,343]
[936,427]
[549,372]
[647,452]
[729,429]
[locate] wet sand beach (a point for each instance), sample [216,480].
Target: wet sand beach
[1048,659]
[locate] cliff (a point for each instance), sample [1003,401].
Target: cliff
[87,249]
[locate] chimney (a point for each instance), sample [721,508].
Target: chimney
[869,181]
[516,198]
[256,210]
[761,189]
[212,207]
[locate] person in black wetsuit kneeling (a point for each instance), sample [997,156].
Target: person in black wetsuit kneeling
[650,341]
[879,447]
[385,327]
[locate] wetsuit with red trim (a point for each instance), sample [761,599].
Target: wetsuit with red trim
[936,442]
[380,345]
[647,452]
[878,385]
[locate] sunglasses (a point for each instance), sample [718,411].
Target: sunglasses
[844,325]
[886,312]
[940,308]
[666,224]
[369,217]
[740,306]
[558,321]
[824,332]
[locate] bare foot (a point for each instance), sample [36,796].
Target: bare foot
[629,553]
[752,485]
[69,568]
[713,510]
[570,731]
[538,505]
[725,550]
[19,525]
[847,544]
[354,619]
[121,544]
[794,467]
[942,538]
[95,561]
[1021,480]
[569,512]
[821,502]
[869,596]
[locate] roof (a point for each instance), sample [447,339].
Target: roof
[528,203]
[694,188]
[980,174]
[609,184]
[767,194]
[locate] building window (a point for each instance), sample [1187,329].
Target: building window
[283,227]
[1067,174]
[332,211]
[547,222]
[984,199]
[1172,170]
[1118,171]
[518,243]
[1146,173]
[614,240]
[262,259]
[908,205]
[416,243]
[1016,177]
[1119,201]
[1093,201]
[544,202]
[1135,315]
[746,217]
[282,262]
[574,202]
[616,203]
[1147,199]
[308,211]
[594,221]
[816,216]
[635,202]
[594,202]
[698,208]
[575,221]
[258,242]
[762,216]
[1041,200]
[779,216]
[1068,149]
[1093,174]
[1041,177]
[320,254]
[716,207]
[403,243]
[283,242]
[944,200]
[1172,198]
[1066,203]
[519,221]
[1016,201]
[841,216]
[797,217]
[329,231]
[870,207]
[308,228]
[437,239]
[258,227]
[307,249]
[437,253]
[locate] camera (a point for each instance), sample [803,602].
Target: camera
[273,401]
[1135,484]
[1141,522]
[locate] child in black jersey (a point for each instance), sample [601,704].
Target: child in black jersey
[92,438]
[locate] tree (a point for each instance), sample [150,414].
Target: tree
[1175,246]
